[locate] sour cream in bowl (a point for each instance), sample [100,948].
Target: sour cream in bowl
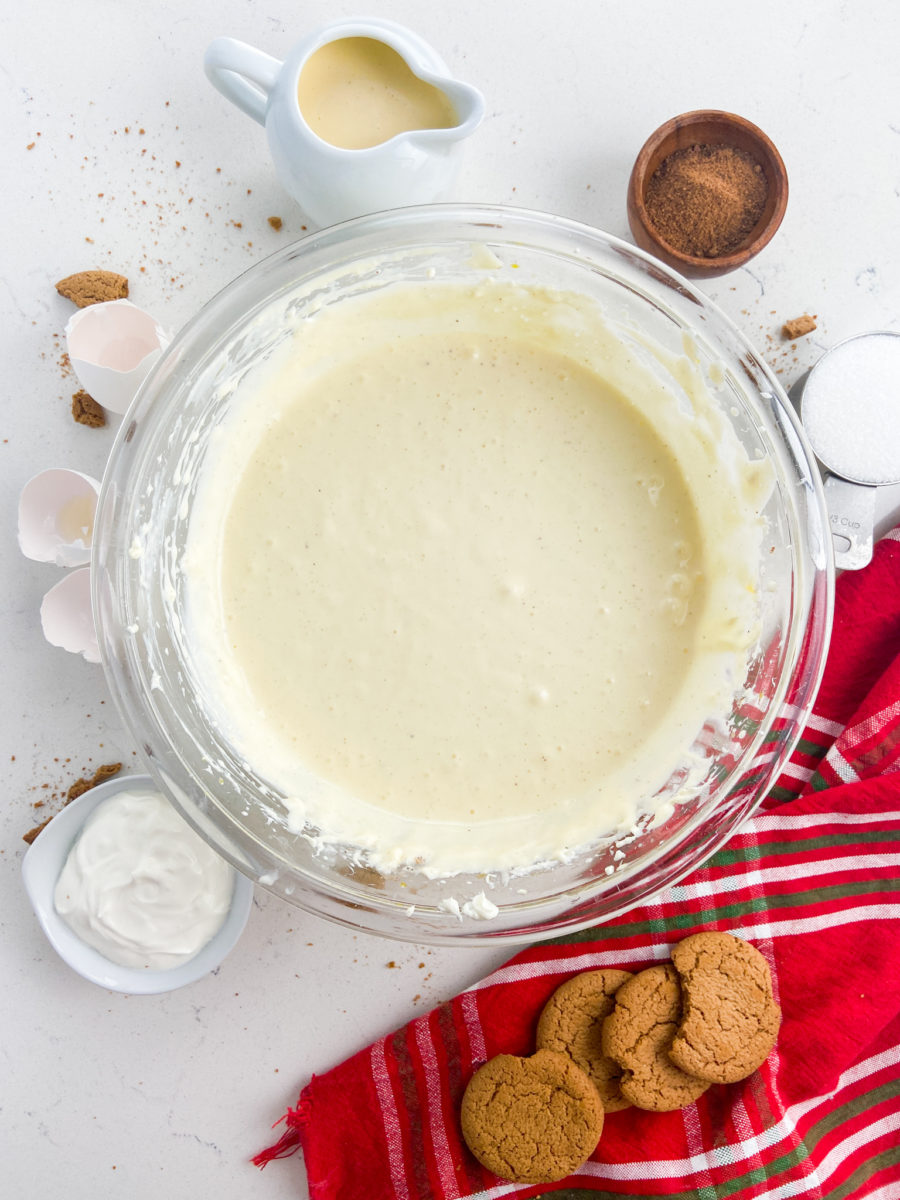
[129,895]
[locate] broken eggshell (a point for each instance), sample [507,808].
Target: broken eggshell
[67,617]
[112,348]
[56,517]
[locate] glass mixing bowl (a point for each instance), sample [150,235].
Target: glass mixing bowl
[144,511]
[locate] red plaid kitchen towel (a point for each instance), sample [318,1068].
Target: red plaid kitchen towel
[813,880]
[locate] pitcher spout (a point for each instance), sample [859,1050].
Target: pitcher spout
[468,107]
[468,103]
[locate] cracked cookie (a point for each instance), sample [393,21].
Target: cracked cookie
[571,1023]
[531,1120]
[730,1019]
[638,1034]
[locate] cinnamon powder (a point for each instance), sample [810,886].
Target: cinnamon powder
[705,200]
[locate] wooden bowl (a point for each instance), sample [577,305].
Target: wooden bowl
[710,128]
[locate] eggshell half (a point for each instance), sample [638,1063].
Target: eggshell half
[67,618]
[56,517]
[112,348]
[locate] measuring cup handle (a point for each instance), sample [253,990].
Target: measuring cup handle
[851,511]
[243,74]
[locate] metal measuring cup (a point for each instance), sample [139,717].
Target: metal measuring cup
[850,408]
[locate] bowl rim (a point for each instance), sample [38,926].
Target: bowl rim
[41,867]
[470,221]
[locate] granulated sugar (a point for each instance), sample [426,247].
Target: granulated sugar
[851,408]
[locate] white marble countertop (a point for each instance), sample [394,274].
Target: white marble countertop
[118,154]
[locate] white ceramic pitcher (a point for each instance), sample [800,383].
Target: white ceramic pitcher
[328,182]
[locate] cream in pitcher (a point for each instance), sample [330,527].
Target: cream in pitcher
[358,92]
[363,115]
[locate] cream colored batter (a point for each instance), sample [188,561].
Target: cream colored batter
[480,578]
[358,92]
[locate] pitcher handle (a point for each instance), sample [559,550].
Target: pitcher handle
[243,74]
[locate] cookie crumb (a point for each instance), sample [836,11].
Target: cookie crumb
[798,326]
[30,836]
[80,786]
[93,287]
[86,410]
[276,222]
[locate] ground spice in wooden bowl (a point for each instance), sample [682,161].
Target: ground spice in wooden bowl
[705,200]
[707,192]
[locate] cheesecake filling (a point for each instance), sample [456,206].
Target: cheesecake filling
[467,571]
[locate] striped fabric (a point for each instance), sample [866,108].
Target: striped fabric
[813,880]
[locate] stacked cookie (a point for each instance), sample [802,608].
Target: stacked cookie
[610,1039]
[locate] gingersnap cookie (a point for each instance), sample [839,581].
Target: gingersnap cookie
[571,1023]
[93,287]
[730,1020]
[531,1120]
[638,1034]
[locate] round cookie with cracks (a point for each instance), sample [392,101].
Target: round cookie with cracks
[571,1023]
[531,1120]
[730,1020]
[638,1034]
